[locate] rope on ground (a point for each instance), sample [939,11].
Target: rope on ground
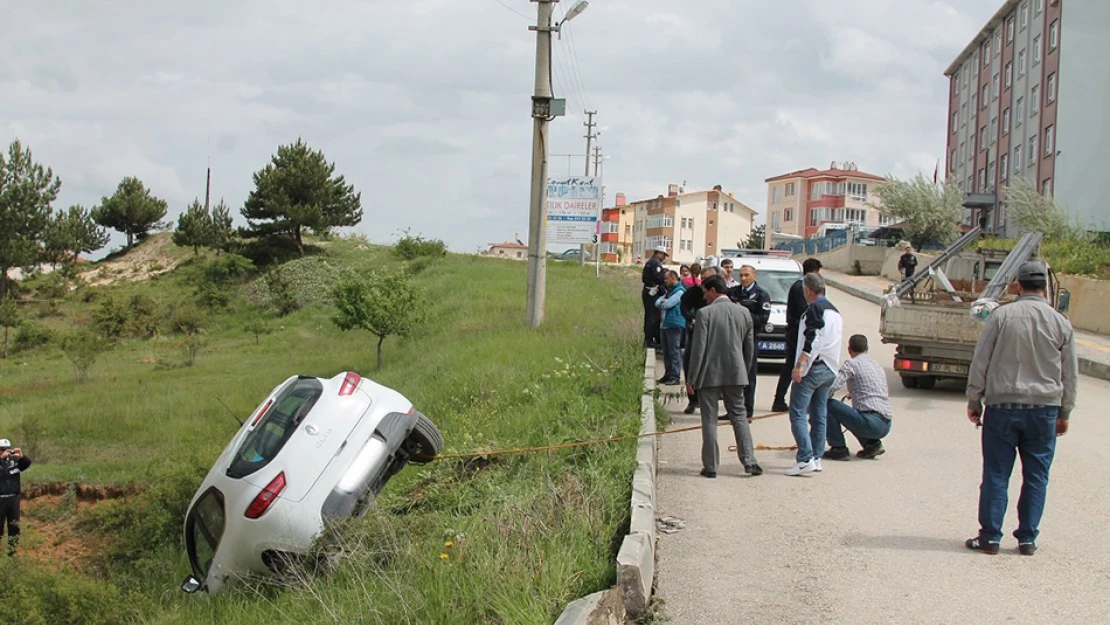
[602,441]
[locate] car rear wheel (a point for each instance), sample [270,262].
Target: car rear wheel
[909,381]
[424,442]
[926,382]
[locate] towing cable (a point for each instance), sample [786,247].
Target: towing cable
[615,439]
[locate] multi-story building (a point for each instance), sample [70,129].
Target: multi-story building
[1027,97]
[617,236]
[798,203]
[689,225]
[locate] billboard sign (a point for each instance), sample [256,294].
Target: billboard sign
[573,206]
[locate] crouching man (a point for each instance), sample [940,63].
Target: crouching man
[868,418]
[12,463]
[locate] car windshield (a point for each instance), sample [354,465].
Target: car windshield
[205,528]
[276,426]
[777,283]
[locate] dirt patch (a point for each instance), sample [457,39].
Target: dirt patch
[26,389]
[145,260]
[50,535]
[84,492]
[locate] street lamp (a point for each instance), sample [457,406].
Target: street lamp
[575,11]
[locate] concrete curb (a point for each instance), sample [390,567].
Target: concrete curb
[636,557]
[1087,367]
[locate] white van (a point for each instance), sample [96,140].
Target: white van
[776,274]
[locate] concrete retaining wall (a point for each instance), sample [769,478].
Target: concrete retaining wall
[1090,301]
[844,258]
[636,558]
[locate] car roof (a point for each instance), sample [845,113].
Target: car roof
[767,263]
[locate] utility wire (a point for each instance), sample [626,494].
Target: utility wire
[575,64]
[502,3]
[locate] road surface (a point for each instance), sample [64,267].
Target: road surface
[881,541]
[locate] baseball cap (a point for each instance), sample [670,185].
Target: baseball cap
[1032,270]
[5,443]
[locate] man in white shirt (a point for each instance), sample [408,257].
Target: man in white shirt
[730,282]
[815,369]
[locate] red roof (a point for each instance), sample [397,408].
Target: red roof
[513,246]
[826,173]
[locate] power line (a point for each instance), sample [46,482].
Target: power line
[502,3]
[569,43]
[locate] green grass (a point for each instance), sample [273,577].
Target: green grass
[1089,258]
[528,533]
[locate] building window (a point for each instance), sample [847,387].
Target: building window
[1019,111]
[986,53]
[983,138]
[952,160]
[998,43]
[963,150]
[1036,49]
[982,180]
[1006,122]
[1050,89]
[986,96]
[994,86]
[776,194]
[1009,74]
[1038,6]
[1053,35]
[1032,150]
[1023,15]
[1017,159]
[628,230]
[790,189]
[1010,30]
[994,129]
[1049,140]
[974,95]
[955,121]
[857,191]
[990,175]
[1035,100]
[1046,187]
[1004,171]
[788,215]
[1021,63]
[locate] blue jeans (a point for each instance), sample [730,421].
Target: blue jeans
[810,397]
[672,352]
[1030,433]
[866,426]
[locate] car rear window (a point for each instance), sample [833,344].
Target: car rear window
[275,427]
[204,531]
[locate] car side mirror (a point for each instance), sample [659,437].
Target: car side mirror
[190,585]
[1063,300]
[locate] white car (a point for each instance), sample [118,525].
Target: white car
[315,450]
[776,273]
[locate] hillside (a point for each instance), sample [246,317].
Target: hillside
[526,533]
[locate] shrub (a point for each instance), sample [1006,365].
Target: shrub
[411,247]
[82,348]
[30,335]
[143,311]
[37,596]
[227,269]
[52,286]
[112,318]
[188,319]
[419,265]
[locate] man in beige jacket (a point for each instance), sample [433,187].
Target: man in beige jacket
[722,346]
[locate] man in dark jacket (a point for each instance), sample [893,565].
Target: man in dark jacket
[758,302]
[693,300]
[653,278]
[796,306]
[907,263]
[12,463]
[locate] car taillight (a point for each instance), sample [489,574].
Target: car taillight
[258,416]
[350,383]
[266,498]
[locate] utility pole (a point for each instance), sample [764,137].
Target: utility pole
[537,214]
[597,159]
[589,124]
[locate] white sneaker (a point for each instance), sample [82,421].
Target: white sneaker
[802,468]
[817,465]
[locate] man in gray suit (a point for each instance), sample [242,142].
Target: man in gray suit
[720,350]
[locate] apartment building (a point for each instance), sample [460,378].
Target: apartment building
[1027,98]
[799,202]
[617,223]
[689,224]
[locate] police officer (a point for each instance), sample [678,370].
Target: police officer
[653,276]
[758,302]
[12,463]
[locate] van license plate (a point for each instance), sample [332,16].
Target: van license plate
[772,346]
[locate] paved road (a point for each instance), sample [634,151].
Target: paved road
[882,541]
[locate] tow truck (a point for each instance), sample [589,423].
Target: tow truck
[934,317]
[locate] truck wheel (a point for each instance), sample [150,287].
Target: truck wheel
[909,381]
[926,382]
[424,442]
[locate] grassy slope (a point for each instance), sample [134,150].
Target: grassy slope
[527,533]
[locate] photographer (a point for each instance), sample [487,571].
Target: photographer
[12,463]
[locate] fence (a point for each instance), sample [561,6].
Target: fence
[834,240]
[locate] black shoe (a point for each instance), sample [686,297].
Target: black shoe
[871,450]
[837,453]
[780,407]
[670,381]
[1027,549]
[709,474]
[661,380]
[691,408]
[982,546]
[753,470]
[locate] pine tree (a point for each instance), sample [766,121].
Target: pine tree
[132,210]
[194,228]
[298,191]
[221,227]
[70,233]
[27,190]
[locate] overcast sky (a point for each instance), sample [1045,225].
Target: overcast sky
[424,105]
